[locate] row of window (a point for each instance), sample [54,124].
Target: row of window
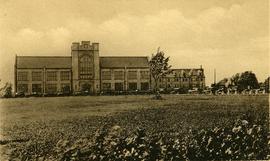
[178,86]
[50,88]
[50,76]
[65,75]
[120,86]
[65,87]
[119,75]
[180,79]
[197,73]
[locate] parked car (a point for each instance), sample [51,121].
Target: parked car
[36,94]
[19,94]
[193,91]
[77,93]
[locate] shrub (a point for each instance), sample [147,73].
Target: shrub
[240,142]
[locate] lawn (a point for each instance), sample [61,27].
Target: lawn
[34,126]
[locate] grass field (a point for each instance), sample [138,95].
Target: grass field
[44,121]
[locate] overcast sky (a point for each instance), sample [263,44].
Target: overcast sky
[229,35]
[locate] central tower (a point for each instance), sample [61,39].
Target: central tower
[85,67]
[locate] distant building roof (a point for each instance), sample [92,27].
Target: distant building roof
[44,61]
[121,62]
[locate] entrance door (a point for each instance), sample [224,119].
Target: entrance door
[86,88]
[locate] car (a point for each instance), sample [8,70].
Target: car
[207,91]
[85,93]
[36,94]
[19,94]
[77,93]
[49,94]
[193,91]
[60,93]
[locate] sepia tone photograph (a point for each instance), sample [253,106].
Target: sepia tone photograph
[134,80]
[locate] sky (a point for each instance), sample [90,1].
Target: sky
[230,36]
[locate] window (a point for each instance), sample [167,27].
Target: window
[65,87]
[106,75]
[144,86]
[23,88]
[86,67]
[132,74]
[118,75]
[51,76]
[145,74]
[106,86]
[36,88]
[51,88]
[118,86]
[65,75]
[36,76]
[132,86]
[22,76]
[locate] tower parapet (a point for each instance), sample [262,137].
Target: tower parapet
[85,45]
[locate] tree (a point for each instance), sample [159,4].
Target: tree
[159,67]
[247,80]
[266,84]
[235,79]
[6,91]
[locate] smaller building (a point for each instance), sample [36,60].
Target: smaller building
[183,79]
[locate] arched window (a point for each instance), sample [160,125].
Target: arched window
[86,67]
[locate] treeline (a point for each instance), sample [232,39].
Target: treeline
[240,82]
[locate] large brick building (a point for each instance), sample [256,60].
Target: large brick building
[85,70]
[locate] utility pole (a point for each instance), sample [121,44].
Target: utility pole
[215,76]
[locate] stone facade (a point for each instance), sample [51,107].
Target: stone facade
[86,71]
[85,66]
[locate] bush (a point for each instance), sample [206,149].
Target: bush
[8,90]
[242,141]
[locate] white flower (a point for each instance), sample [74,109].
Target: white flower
[244,122]
[236,129]
[228,151]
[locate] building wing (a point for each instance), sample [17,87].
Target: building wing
[30,62]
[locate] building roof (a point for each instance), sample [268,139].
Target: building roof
[44,61]
[66,62]
[121,62]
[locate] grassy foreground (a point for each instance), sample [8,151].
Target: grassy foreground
[35,126]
